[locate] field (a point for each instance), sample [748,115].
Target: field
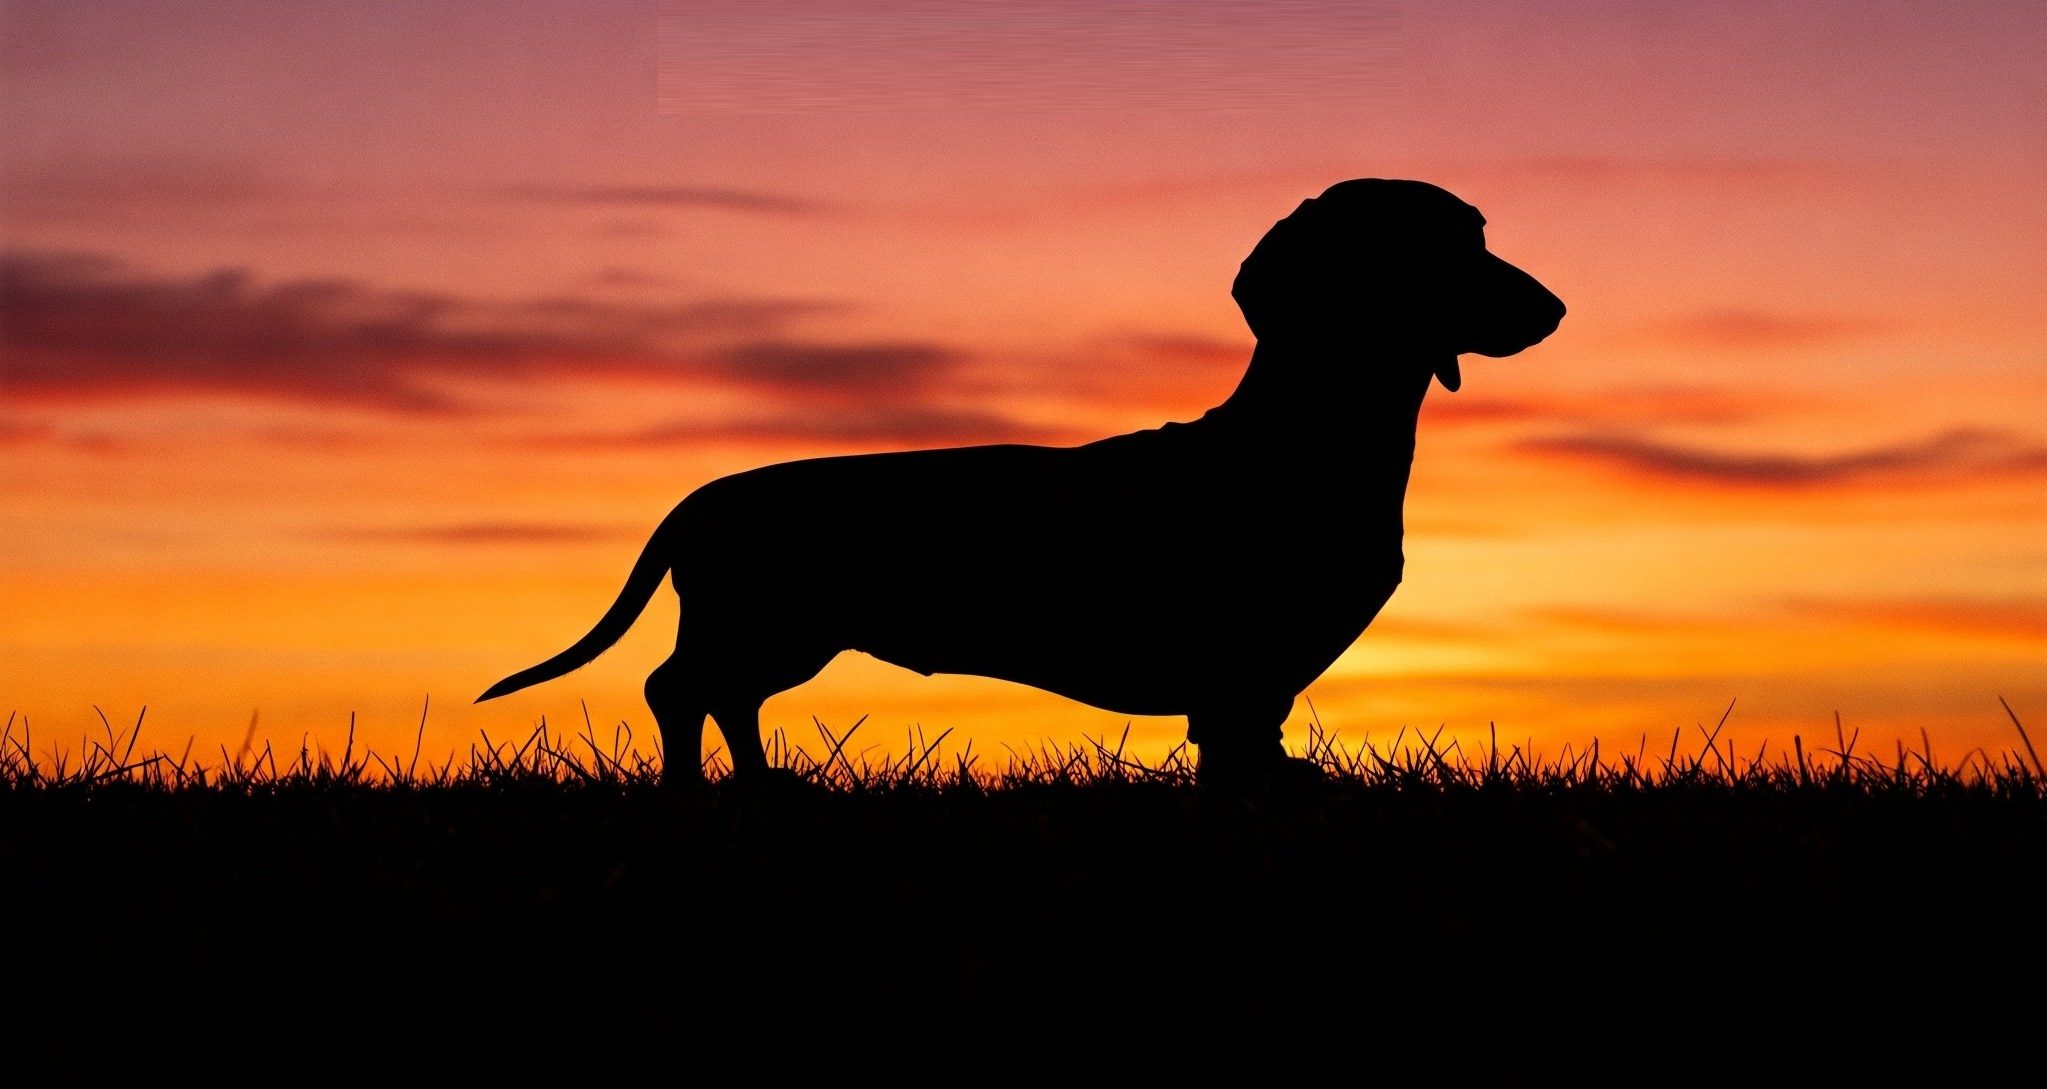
[546,911]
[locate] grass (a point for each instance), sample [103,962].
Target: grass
[1678,915]
[551,757]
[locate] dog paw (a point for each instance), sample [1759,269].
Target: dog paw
[1294,773]
[1291,776]
[1275,775]
[774,782]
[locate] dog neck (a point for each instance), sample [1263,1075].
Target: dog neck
[1325,394]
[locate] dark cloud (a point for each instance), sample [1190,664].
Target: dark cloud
[725,198]
[482,533]
[874,429]
[88,326]
[1960,453]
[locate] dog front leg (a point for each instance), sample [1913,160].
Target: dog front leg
[740,723]
[1239,742]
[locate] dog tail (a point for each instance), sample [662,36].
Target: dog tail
[646,576]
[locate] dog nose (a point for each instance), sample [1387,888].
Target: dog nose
[1549,313]
[1513,310]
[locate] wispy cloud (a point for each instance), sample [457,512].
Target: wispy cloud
[1615,621]
[87,326]
[893,366]
[538,533]
[127,186]
[619,276]
[1472,528]
[864,428]
[303,438]
[1305,179]
[2010,618]
[1763,330]
[1191,349]
[1957,454]
[2005,618]
[717,197]
[1146,371]
[24,432]
[28,433]
[998,56]
[1708,170]
[1624,406]
[1420,629]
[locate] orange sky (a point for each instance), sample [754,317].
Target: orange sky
[350,352]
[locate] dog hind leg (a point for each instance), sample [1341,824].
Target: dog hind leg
[728,660]
[676,698]
[743,686]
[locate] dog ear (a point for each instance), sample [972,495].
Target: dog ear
[1270,282]
[1322,269]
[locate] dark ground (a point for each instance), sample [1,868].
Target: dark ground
[1137,932]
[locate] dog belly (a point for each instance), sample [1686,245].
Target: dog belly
[1132,691]
[1162,661]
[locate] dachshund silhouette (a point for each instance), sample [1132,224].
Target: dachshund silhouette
[1210,569]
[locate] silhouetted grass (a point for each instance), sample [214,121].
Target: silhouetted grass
[542,907]
[1412,759]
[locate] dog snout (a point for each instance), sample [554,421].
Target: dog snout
[1546,314]
[1512,312]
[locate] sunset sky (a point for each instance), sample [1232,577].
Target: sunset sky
[348,352]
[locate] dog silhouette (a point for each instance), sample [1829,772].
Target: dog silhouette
[1210,569]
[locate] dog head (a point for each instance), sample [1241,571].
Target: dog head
[1396,263]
